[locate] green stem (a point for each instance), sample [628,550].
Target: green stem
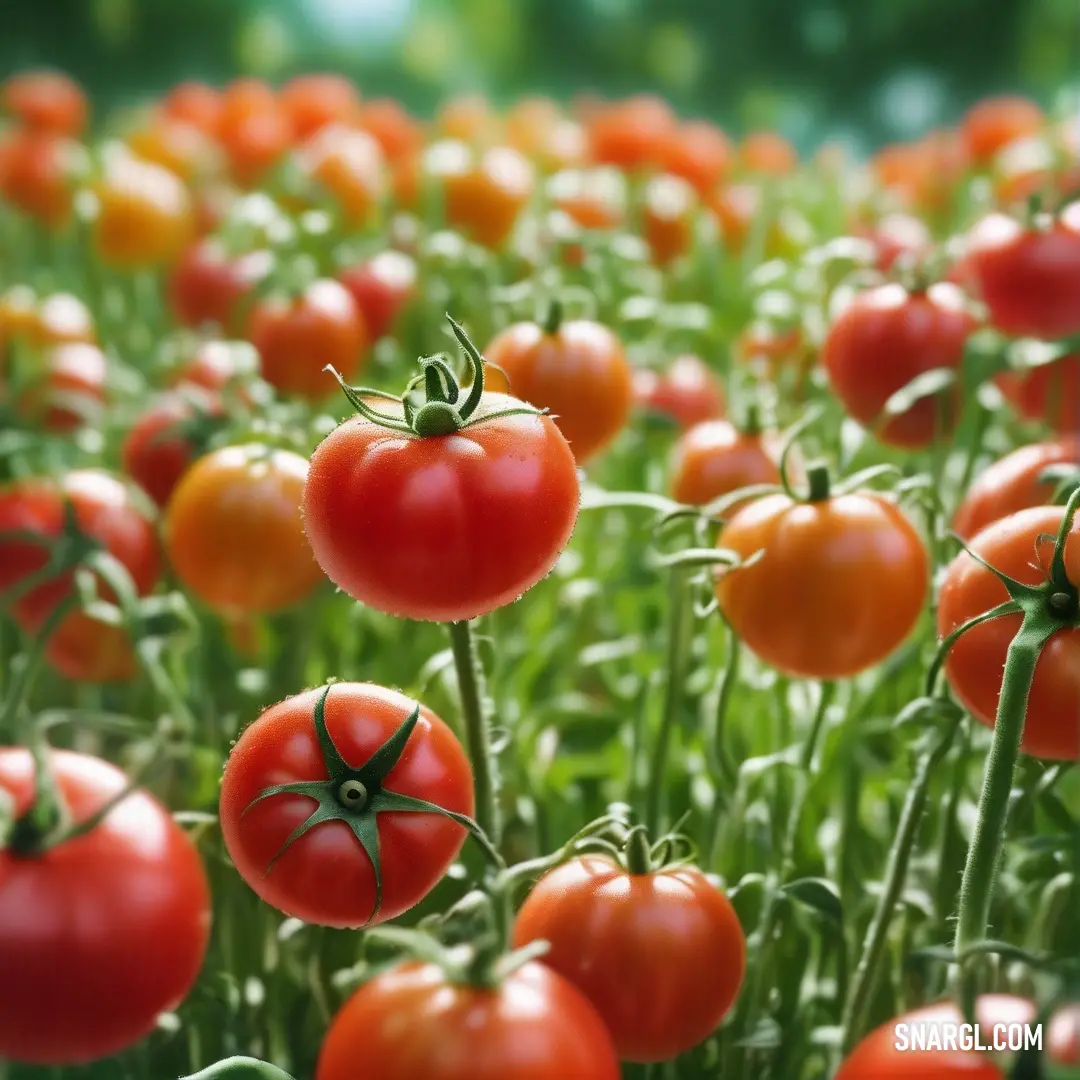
[866,974]
[679,638]
[470,676]
[980,869]
[240,1068]
[721,760]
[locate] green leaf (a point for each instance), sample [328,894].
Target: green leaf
[819,895]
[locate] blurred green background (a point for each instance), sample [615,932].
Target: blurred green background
[860,71]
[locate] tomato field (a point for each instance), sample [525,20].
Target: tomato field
[544,592]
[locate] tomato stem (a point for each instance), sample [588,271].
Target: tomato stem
[553,317]
[817,475]
[637,851]
[722,766]
[470,677]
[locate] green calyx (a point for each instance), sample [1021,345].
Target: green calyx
[443,411]
[356,796]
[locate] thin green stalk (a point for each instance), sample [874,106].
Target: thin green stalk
[680,627]
[721,761]
[866,974]
[470,677]
[980,870]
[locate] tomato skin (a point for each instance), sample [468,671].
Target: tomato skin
[841,584]
[35,175]
[993,123]
[580,373]
[884,339]
[975,662]
[182,148]
[399,134]
[455,526]
[630,134]
[349,165]
[1050,392]
[534,1026]
[325,877]
[714,458]
[26,506]
[296,338]
[45,101]
[669,218]
[1011,484]
[83,648]
[100,934]
[233,531]
[876,1057]
[1029,279]
[699,152]
[469,118]
[312,102]
[381,287]
[688,391]
[194,103]
[206,285]
[661,956]
[254,130]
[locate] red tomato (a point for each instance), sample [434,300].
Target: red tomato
[400,136]
[194,103]
[233,531]
[1063,1036]
[688,391]
[207,284]
[215,364]
[878,1058]
[631,133]
[84,648]
[311,102]
[885,339]
[533,1026]
[976,661]
[1050,392]
[580,373]
[102,933]
[350,166]
[899,234]
[254,130]
[325,876]
[70,391]
[30,506]
[1012,484]
[144,217]
[46,101]
[157,451]
[35,175]
[715,458]
[768,153]
[455,526]
[990,125]
[699,152]
[1029,278]
[381,287]
[840,585]
[661,955]
[296,339]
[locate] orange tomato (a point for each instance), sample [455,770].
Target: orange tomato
[593,198]
[579,372]
[715,458]
[994,123]
[36,174]
[311,102]
[840,584]
[233,531]
[469,118]
[536,127]
[400,135]
[699,152]
[45,101]
[670,215]
[178,146]
[630,134]
[767,153]
[194,103]
[253,129]
[350,165]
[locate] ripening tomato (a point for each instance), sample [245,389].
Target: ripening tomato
[399,134]
[1029,278]
[767,153]
[468,118]
[993,123]
[182,148]
[669,217]
[207,284]
[660,955]
[298,337]
[698,152]
[253,129]
[36,175]
[82,647]
[1012,483]
[630,134]
[234,534]
[976,661]
[923,173]
[886,338]
[736,207]
[593,198]
[888,1051]
[1063,1036]
[101,933]
[532,1026]
[312,102]
[1049,392]
[483,194]
[455,525]
[194,103]
[536,127]
[715,458]
[144,214]
[325,875]
[381,287]
[158,449]
[350,166]
[70,391]
[840,585]
[579,372]
[46,101]
[687,391]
